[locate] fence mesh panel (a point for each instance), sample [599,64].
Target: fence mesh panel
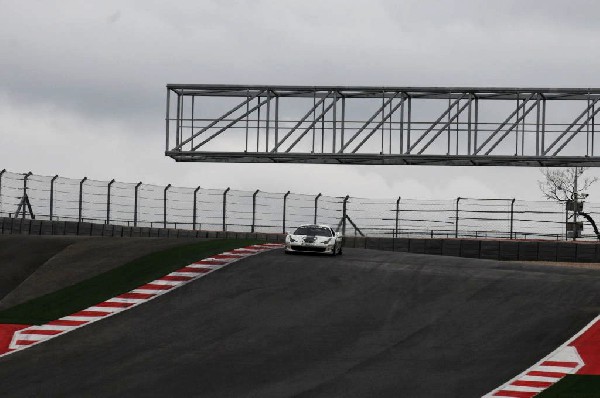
[11,191]
[60,198]
[210,209]
[122,204]
[66,199]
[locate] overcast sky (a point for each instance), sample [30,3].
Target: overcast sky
[82,84]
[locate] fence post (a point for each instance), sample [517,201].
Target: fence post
[81,198]
[52,197]
[1,174]
[397,213]
[25,177]
[165,206]
[566,222]
[225,209]
[195,208]
[108,201]
[135,204]
[254,209]
[512,216]
[316,201]
[456,220]
[284,206]
[344,214]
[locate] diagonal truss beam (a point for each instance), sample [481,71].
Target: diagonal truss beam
[439,119]
[248,112]
[315,106]
[364,126]
[310,126]
[441,129]
[586,110]
[213,123]
[507,132]
[576,131]
[378,126]
[504,123]
[383,120]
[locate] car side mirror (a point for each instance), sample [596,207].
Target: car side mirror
[338,234]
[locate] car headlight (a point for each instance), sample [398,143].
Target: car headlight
[326,241]
[291,239]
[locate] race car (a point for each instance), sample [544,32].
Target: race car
[314,238]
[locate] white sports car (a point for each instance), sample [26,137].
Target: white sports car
[314,238]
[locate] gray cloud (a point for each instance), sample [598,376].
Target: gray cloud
[106,64]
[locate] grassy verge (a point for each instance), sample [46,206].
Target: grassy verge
[574,386]
[114,282]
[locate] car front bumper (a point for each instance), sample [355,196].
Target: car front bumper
[303,248]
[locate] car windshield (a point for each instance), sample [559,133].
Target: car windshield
[313,231]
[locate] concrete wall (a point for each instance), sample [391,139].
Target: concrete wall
[24,226]
[512,250]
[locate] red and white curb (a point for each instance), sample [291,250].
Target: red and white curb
[579,355]
[18,337]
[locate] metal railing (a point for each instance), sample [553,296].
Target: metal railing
[199,208]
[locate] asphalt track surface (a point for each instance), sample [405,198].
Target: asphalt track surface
[365,324]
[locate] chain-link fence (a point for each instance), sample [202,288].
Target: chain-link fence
[199,208]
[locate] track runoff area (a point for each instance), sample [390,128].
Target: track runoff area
[367,323]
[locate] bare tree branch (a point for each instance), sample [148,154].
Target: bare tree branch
[559,184]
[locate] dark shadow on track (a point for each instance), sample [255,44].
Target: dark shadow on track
[365,324]
[20,257]
[32,266]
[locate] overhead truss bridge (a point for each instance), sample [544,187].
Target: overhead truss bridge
[460,126]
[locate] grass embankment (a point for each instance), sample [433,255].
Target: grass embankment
[114,282]
[574,386]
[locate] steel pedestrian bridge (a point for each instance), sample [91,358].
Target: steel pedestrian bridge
[450,126]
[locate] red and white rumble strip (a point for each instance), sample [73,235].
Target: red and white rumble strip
[18,337]
[579,355]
